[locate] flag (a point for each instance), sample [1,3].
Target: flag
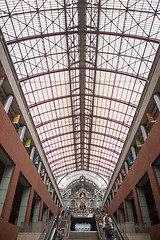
[51,189]
[16,118]
[123,172]
[129,159]
[28,142]
[118,181]
[114,189]
[150,118]
[47,181]
[42,172]
[138,143]
[1,80]
[36,159]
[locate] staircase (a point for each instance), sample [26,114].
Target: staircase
[83,235]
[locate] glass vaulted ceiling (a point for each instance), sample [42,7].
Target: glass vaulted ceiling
[82,65]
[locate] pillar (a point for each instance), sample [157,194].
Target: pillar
[133,152]
[45,176]
[120,177]
[110,198]
[8,103]
[143,206]
[39,167]
[116,184]
[4,185]
[108,202]
[49,185]
[10,193]
[23,206]
[144,132]
[29,206]
[23,130]
[154,181]
[157,100]
[137,206]
[32,153]
[125,211]
[126,166]
[112,193]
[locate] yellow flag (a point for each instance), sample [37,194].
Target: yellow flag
[16,118]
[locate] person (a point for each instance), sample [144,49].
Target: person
[105,218]
[108,231]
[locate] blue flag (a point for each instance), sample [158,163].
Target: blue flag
[36,159]
[129,159]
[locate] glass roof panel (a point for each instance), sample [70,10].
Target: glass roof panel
[82,69]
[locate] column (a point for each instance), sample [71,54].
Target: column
[125,211]
[120,177]
[116,184]
[23,130]
[157,100]
[49,185]
[8,103]
[4,185]
[45,176]
[143,206]
[29,206]
[144,132]
[10,192]
[39,167]
[32,153]
[108,202]
[112,193]
[23,206]
[126,166]
[133,152]
[110,198]
[154,181]
[137,205]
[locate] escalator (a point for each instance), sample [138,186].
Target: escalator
[68,222]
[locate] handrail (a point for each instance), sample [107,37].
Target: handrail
[51,231]
[67,227]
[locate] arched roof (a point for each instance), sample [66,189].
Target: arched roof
[82,66]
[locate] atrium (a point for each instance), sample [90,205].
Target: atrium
[79,111]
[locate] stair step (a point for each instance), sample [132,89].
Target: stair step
[83,235]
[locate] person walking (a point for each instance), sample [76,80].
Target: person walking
[108,231]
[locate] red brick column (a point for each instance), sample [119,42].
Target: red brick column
[137,205]
[29,205]
[118,218]
[125,211]
[155,188]
[40,211]
[10,194]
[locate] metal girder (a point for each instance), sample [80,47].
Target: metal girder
[70,145]
[124,35]
[79,68]
[71,132]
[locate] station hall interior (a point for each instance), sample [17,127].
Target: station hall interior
[79,119]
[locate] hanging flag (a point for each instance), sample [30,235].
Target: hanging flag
[114,189]
[138,143]
[1,80]
[28,142]
[51,189]
[118,181]
[123,172]
[129,159]
[47,181]
[150,118]
[42,172]
[36,159]
[16,118]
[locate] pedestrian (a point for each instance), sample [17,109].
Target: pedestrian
[108,231]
